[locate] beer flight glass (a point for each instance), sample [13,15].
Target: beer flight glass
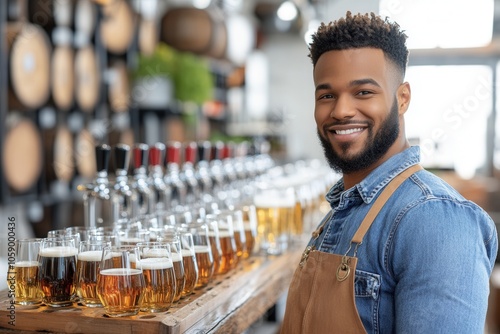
[57,272]
[120,284]
[171,236]
[87,271]
[203,252]
[22,277]
[189,262]
[159,276]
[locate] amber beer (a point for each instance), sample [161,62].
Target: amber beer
[250,240]
[190,271]
[57,275]
[27,290]
[179,275]
[87,270]
[205,263]
[159,279]
[120,290]
[216,251]
[228,248]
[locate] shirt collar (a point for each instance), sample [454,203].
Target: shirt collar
[370,186]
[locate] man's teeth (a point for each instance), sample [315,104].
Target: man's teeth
[347,132]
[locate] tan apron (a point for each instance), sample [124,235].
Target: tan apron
[321,294]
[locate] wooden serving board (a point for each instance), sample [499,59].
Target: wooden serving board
[230,304]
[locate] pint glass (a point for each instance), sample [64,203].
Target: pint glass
[22,277]
[57,272]
[120,284]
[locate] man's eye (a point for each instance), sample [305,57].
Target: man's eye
[364,92]
[325,96]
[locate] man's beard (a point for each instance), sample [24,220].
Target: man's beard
[377,146]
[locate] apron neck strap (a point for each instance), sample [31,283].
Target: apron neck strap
[380,201]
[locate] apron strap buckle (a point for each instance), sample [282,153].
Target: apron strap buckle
[305,255]
[343,270]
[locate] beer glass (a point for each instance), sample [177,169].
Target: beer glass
[159,277]
[87,270]
[84,232]
[22,277]
[275,213]
[64,233]
[189,262]
[57,272]
[120,283]
[239,231]
[174,241]
[203,252]
[250,224]
[227,242]
[213,235]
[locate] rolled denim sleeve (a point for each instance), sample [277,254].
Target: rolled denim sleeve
[443,254]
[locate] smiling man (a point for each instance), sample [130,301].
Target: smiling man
[401,251]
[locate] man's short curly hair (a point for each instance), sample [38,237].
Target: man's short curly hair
[359,31]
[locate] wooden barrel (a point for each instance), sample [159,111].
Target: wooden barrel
[85,154]
[63,77]
[87,78]
[119,87]
[117,26]
[195,30]
[22,153]
[58,150]
[29,65]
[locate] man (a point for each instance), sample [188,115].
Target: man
[423,266]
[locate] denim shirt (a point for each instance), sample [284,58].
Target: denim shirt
[424,264]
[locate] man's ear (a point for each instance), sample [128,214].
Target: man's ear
[403,97]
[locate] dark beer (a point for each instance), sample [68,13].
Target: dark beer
[57,275]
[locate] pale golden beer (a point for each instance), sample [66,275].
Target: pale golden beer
[57,275]
[275,215]
[180,278]
[26,284]
[228,247]
[205,263]
[22,276]
[87,270]
[121,291]
[297,228]
[190,271]
[159,279]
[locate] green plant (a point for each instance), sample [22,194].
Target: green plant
[161,63]
[193,80]
[190,74]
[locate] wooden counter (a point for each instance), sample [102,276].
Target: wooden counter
[230,304]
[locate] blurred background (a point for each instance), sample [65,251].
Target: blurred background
[77,73]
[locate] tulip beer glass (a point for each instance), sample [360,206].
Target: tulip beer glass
[57,272]
[120,284]
[22,277]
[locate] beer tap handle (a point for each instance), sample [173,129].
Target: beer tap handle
[102,157]
[190,152]
[204,150]
[173,153]
[140,155]
[156,154]
[122,156]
